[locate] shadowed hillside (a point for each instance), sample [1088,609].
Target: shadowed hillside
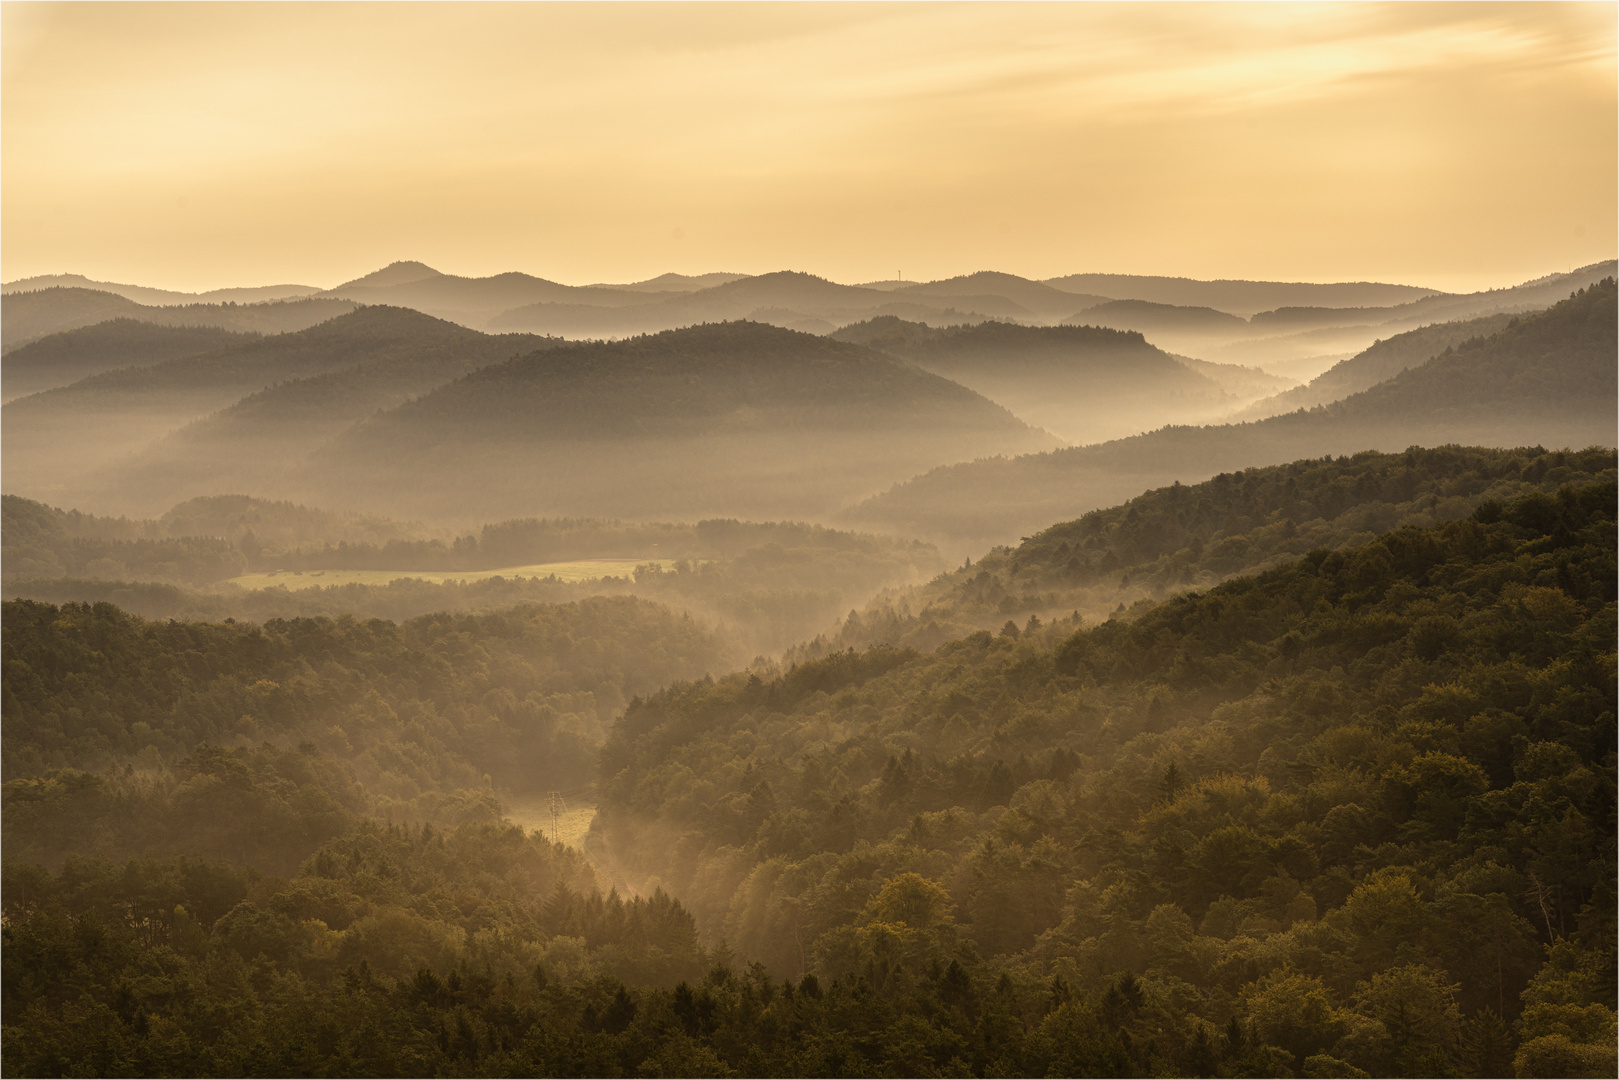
[738,419]
[86,441]
[1548,380]
[63,358]
[1384,360]
[1083,383]
[25,316]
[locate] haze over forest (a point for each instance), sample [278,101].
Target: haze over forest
[1174,635]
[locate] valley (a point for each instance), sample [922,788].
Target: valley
[974,659]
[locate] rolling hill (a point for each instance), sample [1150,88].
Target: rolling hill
[472,301]
[1084,384]
[1034,297]
[734,419]
[1383,360]
[1149,317]
[76,442]
[145,294]
[25,316]
[1550,379]
[783,298]
[256,443]
[66,357]
[1237,297]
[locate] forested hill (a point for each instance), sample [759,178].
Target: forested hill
[66,357]
[1549,380]
[1084,383]
[1180,537]
[1384,360]
[431,720]
[1341,809]
[1353,815]
[732,419]
[688,383]
[84,443]
[30,315]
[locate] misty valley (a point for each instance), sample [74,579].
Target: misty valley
[759,675]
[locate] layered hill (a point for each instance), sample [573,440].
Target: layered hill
[785,298]
[1082,383]
[1194,536]
[1147,316]
[94,440]
[63,358]
[25,316]
[1384,360]
[1236,296]
[473,301]
[735,419]
[1548,380]
[1035,297]
[145,294]
[1314,326]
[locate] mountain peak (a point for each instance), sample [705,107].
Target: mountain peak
[395,273]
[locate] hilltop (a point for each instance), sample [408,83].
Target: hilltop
[76,442]
[25,316]
[738,419]
[1549,380]
[66,357]
[1084,383]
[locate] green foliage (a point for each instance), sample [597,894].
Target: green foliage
[1345,856]
[427,715]
[1194,536]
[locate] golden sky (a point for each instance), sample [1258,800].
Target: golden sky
[194,146]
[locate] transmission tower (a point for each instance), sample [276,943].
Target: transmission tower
[559,807]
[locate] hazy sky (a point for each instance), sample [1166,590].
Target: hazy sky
[195,145]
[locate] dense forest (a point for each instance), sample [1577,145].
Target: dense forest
[1186,536]
[127,735]
[66,357]
[1360,789]
[1350,815]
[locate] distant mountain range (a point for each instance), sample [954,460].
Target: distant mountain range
[28,316]
[780,393]
[1547,379]
[144,294]
[1299,328]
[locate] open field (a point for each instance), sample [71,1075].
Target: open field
[534,815]
[581,570]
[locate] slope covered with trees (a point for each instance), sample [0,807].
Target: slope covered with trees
[731,420]
[88,442]
[1353,815]
[30,315]
[66,357]
[429,720]
[1354,812]
[1550,380]
[1182,537]
[1384,360]
[1085,383]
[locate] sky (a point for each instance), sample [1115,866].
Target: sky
[197,146]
